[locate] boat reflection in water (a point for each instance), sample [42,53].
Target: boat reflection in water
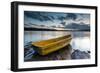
[80,42]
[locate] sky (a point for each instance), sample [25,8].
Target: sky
[55,18]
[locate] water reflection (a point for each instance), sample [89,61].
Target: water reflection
[81,43]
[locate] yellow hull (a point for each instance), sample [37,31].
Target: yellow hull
[48,46]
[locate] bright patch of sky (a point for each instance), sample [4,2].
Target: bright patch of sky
[55,18]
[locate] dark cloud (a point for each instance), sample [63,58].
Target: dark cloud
[33,15]
[61,18]
[41,16]
[72,16]
[55,17]
[63,23]
[50,16]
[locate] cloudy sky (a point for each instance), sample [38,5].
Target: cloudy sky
[55,18]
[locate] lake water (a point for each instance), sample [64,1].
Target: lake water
[80,39]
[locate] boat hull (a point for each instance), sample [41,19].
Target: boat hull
[48,46]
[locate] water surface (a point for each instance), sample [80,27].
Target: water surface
[80,39]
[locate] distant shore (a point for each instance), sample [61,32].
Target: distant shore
[40,29]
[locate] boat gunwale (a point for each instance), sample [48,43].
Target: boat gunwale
[42,46]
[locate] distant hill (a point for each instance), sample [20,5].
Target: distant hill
[78,26]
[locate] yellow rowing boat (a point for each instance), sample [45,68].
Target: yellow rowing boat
[48,46]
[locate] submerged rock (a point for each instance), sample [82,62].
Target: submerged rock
[77,54]
[66,53]
[28,51]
